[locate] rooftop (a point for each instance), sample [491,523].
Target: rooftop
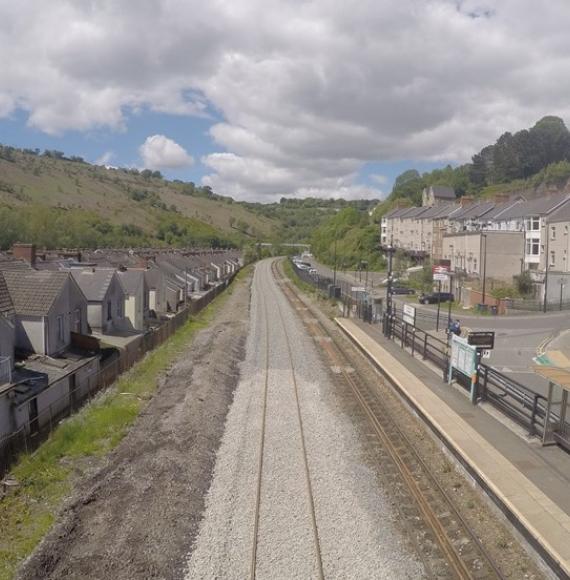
[34,292]
[94,282]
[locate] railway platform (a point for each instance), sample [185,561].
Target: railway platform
[528,482]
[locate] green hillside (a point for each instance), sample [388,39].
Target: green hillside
[119,205]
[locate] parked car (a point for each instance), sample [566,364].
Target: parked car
[435,297]
[402,290]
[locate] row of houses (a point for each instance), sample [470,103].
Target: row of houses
[497,238]
[64,315]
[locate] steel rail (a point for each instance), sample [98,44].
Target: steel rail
[253,565]
[310,495]
[459,567]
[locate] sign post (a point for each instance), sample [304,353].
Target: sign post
[409,314]
[440,273]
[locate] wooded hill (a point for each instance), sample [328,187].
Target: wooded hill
[530,162]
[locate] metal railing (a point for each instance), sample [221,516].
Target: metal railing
[351,306]
[514,399]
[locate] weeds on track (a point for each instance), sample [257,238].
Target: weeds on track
[46,476]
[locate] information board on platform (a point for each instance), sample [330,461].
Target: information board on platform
[463,356]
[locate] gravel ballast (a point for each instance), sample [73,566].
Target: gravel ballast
[358,533]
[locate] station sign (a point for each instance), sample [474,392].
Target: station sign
[409,314]
[440,272]
[358,289]
[483,340]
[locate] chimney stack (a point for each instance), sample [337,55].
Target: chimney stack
[466,200]
[25,252]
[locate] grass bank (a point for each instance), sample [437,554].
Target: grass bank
[46,476]
[292,275]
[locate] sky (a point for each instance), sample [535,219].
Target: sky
[268,98]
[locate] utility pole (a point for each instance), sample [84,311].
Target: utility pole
[388,313]
[484,237]
[546,258]
[334,271]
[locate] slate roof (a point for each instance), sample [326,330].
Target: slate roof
[11,264]
[443,192]
[6,305]
[534,207]
[475,210]
[94,283]
[33,293]
[131,280]
[414,212]
[562,214]
[154,277]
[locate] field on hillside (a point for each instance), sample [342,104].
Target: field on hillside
[117,195]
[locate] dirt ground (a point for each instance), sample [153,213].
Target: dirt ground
[137,515]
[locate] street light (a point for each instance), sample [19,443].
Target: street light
[484,236]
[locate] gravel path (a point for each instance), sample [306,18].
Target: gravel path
[356,522]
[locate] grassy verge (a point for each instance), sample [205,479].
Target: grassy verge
[292,275]
[47,475]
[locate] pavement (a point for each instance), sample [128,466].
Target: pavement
[528,482]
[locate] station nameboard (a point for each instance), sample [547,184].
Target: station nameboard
[484,340]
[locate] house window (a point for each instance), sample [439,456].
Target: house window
[60,331]
[109,310]
[532,247]
[533,224]
[120,309]
[553,233]
[552,258]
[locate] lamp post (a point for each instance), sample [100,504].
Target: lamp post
[334,271]
[484,237]
[546,260]
[388,313]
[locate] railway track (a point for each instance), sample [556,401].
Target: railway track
[259,479]
[444,541]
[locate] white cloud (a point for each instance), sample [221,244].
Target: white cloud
[309,92]
[160,152]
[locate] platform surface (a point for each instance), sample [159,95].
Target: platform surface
[532,482]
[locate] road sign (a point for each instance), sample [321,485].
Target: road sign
[440,272]
[484,340]
[486,354]
[409,314]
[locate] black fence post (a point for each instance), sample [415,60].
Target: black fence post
[532,429]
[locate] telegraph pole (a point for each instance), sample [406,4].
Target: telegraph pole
[388,314]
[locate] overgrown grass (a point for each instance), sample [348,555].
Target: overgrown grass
[292,275]
[46,476]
